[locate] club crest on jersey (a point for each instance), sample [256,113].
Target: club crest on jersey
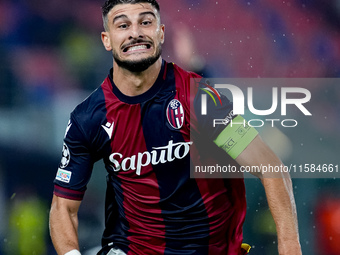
[175,114]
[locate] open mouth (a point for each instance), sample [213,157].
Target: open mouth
[136,47]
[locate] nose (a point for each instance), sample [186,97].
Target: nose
[136,32]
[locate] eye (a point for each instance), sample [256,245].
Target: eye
[146,22]
[123,26]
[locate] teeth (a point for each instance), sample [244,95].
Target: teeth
[138,47]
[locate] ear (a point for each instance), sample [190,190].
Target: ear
[106,41]
[162,33]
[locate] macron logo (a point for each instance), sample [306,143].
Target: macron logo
[108,127]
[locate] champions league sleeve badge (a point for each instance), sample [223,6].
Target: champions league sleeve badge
[65,159]
[63,175]
[175,114]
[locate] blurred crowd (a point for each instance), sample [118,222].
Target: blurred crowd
[52,57]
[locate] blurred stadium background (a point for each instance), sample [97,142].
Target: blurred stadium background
[52,58]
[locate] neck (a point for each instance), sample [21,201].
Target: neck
[134,84]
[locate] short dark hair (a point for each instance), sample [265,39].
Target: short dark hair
[109,4]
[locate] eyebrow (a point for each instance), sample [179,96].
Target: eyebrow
[141,14]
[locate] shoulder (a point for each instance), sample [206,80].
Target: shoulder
[186,81]
[85,110]
[184,74]
[89,114]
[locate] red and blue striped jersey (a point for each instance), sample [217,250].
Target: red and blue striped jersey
[148,145]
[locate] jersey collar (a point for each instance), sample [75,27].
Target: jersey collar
[146,95]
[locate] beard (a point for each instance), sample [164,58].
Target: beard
[137,66]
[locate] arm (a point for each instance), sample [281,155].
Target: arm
[279,194]
[64,224]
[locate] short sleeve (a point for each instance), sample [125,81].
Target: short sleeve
[218,107]
[217,122]
[76,163]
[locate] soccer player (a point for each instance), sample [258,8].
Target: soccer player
[144,122]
